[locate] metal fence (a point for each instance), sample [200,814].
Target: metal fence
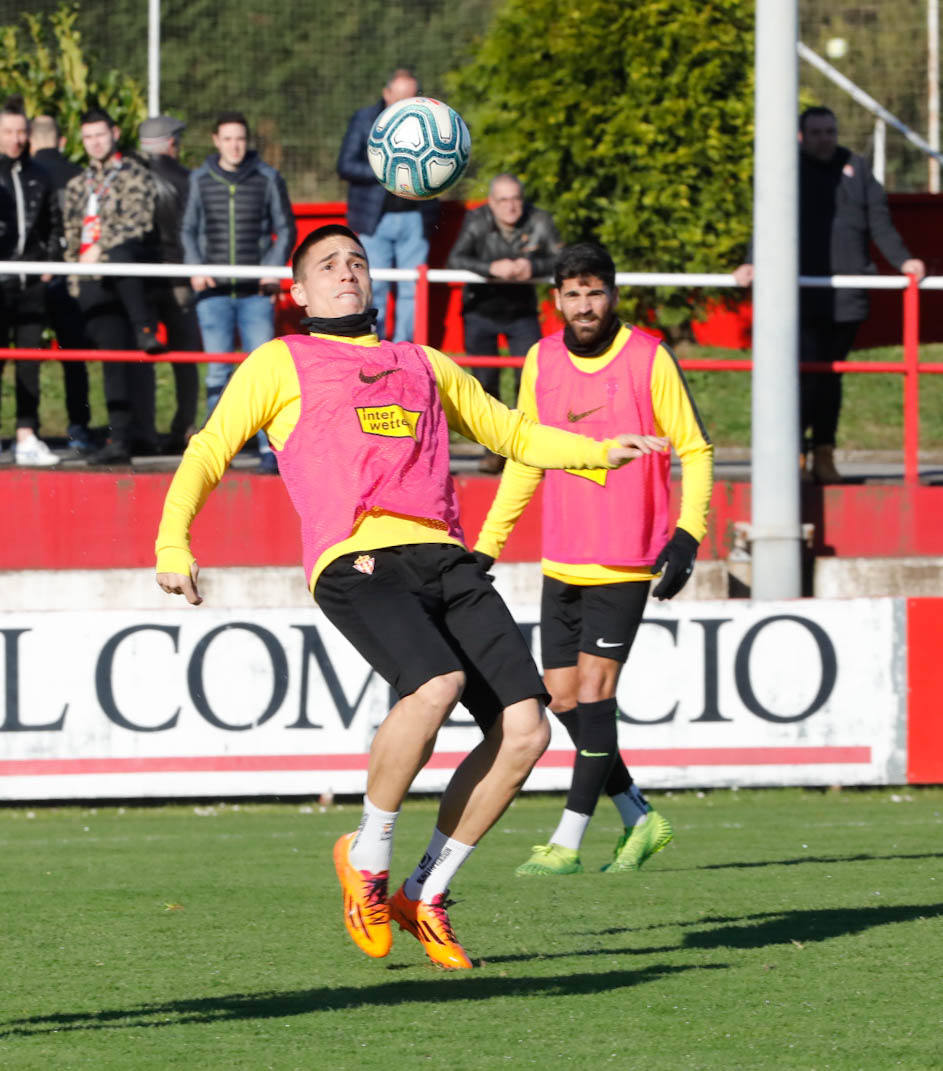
[300,68]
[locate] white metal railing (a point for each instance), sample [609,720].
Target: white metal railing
[435,275]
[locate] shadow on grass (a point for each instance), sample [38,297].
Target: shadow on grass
[277,1005]
[782,927]
[802,860]
[815,924]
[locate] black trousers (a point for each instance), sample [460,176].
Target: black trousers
[129,385]
[820,393]
[174,306]
[481,339]
[65,318]
[22,321]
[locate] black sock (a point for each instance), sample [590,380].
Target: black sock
[570,721]
[595,753]
[620,780]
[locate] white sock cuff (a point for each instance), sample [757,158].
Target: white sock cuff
[375,812]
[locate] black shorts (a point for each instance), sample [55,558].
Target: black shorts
[600,619]
[427,609]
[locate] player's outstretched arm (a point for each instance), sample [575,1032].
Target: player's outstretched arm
[181,584]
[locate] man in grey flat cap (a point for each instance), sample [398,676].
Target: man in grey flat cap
[173,298]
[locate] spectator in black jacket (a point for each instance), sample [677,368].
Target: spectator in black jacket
[510,241]
[65,316]
[235,204]
[23,297]
[394,231]
[173,297]
[842,209]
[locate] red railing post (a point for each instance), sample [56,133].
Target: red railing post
[421,307]
[911,380]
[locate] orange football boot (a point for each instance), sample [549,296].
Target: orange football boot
[430,925]
[366,911]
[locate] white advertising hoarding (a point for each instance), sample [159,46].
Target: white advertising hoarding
[208,702]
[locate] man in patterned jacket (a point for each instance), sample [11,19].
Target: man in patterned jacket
[109,217]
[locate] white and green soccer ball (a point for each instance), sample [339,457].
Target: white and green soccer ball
[418,148]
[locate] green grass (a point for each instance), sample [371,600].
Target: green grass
[872,415]
[782,929]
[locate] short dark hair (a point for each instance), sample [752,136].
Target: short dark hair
[231,117]
[584,258]
[817,112]
[96,115]
[14,106]
[318,235]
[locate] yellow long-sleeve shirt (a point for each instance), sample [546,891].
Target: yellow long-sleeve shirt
[675,417]
[264,392]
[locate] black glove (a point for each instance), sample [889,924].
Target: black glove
[484,560]
[677,560]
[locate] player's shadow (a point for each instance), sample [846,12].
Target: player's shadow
[278,1005]
[779,927]
[788,927]
[801,860]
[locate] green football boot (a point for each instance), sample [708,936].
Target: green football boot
[639,843]
[551,859]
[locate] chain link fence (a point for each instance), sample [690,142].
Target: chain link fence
[298,69]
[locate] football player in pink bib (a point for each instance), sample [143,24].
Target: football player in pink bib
[361,430]
[605,536]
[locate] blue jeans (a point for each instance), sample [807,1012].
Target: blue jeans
[220,316]
[398,242]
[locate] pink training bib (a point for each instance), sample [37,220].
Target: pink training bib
[371,435]
[603,517]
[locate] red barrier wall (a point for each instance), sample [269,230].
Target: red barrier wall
[92,520]
[925,685]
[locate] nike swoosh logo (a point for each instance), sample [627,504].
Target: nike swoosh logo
[594,754]
[364,378]
[574,417]
[602,643]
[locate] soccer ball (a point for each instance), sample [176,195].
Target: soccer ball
[418,148]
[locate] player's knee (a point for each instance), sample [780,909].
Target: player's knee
[526,732]
[595,685]
[440,694]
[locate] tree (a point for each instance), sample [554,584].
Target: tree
[55,77]
[631,122]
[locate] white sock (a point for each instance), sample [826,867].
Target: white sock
[569,833]
[437,867]
[372,847]
[633,806]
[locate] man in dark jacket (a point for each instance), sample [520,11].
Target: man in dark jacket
[842,209]
[23,297]
[173,297]
[65,316]
[235,204]
[512,242]
[394,231]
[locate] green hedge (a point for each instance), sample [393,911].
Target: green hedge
[630,122]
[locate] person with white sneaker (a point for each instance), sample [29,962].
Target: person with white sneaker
[23,298]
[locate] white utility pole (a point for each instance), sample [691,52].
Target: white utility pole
[776,529]
[153,57]
[933,92]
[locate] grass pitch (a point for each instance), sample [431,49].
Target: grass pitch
[781,929]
